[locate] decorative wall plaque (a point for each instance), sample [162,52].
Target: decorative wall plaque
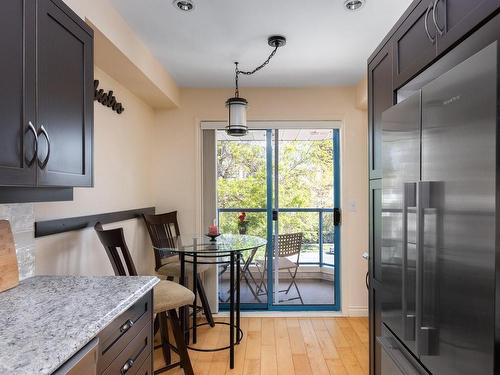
[107,99]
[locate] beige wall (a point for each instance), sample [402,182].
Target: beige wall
[177,144]
[122,180]
[120,52]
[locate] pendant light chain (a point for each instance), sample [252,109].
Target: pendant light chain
[250,72]
[237,90]
[237,106]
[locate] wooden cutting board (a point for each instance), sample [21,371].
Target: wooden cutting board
[9,273]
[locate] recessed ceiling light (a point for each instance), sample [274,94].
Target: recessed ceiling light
[184,5]
[354,4]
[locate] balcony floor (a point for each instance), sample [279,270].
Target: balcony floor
[313,291]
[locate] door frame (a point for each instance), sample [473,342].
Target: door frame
[338,129]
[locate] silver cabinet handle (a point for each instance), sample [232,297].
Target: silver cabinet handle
[127,366]
[431,38]
[434,17]
[43,164]
[126,326]
[32,129]
[366,256]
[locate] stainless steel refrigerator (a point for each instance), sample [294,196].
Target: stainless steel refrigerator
[439,223]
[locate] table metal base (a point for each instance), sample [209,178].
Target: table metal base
[234,302]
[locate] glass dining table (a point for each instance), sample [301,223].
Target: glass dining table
[226,249]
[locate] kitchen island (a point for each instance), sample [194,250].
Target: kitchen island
[46,320]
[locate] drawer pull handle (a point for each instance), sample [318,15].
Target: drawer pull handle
[128,324]
[127,366]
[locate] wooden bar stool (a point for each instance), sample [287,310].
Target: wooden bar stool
[163,229]
[167,297]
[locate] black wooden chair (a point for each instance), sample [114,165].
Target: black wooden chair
[163,230]
[167,297]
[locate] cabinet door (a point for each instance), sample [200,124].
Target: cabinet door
[414,43]
[380,97]
[64,97]
[456,18]
[17,138]
[375,306]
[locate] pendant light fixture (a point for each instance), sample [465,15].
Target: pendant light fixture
[237,106]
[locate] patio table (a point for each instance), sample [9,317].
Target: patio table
[225,249]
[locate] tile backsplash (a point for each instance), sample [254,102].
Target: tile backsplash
[22,221]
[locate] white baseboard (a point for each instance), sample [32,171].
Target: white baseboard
[285,314]
[358,311]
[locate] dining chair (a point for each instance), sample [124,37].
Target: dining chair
[288,245]
[163,230]
[167,297]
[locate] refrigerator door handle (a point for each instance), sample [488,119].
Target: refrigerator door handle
[409,200]
[426,335]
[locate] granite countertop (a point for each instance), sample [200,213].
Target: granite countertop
[46,319]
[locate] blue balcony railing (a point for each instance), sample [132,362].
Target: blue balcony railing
[318,247]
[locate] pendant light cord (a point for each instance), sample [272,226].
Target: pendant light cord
[250,72]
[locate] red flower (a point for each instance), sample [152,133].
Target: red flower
[242,216]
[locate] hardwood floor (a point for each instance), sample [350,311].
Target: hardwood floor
[285,346]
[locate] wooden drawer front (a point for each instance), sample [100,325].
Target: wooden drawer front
[146,368]
[129,361]
[116,336]
[413,49]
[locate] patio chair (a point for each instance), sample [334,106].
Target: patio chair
[245,274]
[288,245]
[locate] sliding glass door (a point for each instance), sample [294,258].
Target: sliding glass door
[283,184]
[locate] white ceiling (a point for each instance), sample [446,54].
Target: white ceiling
[326,45]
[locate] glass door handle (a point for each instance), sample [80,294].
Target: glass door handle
[275,215]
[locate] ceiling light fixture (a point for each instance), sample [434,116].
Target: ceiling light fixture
[184,5]
[237,106]
[354,4]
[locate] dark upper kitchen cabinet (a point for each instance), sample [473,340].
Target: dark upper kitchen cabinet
[17,136]
[379,81]
[46,104]
[64,98]
[455,18]
[414,43]
[431,29]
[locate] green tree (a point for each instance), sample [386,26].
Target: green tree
[305,181]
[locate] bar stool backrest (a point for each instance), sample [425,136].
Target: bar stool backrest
[163,229]
[113,241]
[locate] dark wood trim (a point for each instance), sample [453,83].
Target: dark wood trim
[75,17]
[9,194]
[47,228]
